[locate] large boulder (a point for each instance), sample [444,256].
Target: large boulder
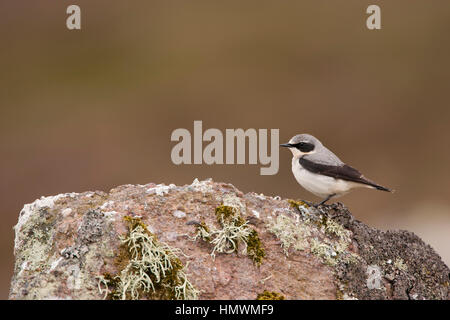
[208,240]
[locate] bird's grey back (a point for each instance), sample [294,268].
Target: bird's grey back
[321,154]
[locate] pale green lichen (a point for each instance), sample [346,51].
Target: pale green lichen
[227,239]
[34,233]
[36,251]
[341,293]
[400,264]
[233,201]
[153,270]
[204,186]
[202,232]
[233,232]
[325,238]
[291,233]
[324,251]
[334,228]
[333,251]
[104,282]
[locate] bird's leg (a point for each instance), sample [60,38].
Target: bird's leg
[325,200]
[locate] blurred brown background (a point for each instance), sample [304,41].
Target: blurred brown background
[93,109]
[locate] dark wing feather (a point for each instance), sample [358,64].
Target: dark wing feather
[343,172]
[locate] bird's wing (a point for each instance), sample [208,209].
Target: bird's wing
[324,156]
[343,172]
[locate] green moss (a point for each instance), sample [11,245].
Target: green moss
[149,268]
[297,204]
[165,288]
[226,214]
[254,248]
[133,223]
[269,295]
[339,295]
[239,221]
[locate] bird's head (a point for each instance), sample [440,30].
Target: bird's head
[302,144]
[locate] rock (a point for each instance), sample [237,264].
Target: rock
[96,245]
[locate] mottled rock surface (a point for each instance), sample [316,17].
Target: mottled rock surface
[65,243]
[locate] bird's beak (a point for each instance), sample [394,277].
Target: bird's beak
[287,145]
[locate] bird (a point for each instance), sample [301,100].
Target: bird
[321,172]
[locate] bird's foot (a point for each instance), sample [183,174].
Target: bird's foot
[317,206]
[324,200]
[311,204]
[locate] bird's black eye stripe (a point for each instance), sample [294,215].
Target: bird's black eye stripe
[304,146]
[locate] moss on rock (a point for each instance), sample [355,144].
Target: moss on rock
[269,295]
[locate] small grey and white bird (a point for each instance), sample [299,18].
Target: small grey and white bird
[321,172]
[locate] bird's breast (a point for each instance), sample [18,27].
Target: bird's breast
[318,184]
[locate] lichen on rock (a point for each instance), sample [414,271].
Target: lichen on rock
[234,230]
[154,269]
[290,232]
[78,246]
[311,229]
